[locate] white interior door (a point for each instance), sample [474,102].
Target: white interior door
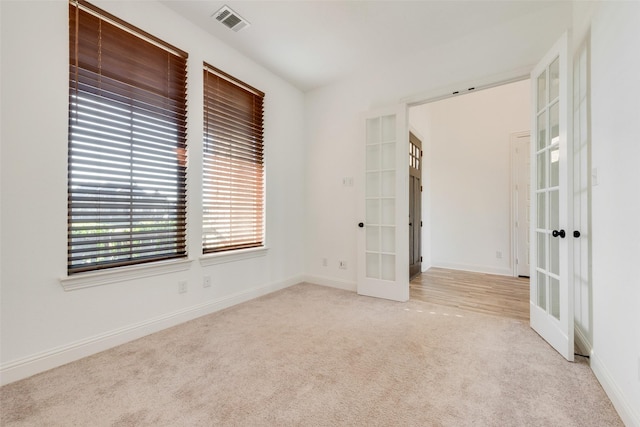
[383,236]
[521,164]
[551,297]
[582,201]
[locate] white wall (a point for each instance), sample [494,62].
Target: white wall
[334,126]
[615,126]
[470,173]
[42,325]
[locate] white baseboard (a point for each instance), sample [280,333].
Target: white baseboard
[31,365]
[475,268]
[581,342]
[628,412]
[333,283]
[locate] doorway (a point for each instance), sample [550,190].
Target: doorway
[467,209]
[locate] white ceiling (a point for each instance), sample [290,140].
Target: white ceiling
[312,43]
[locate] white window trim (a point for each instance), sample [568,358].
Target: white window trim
[121,274]
[232,256]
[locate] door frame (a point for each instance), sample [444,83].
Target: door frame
[454,91]
[498,80]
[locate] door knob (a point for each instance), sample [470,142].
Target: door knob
[361,224]
[556,233]
[576,234]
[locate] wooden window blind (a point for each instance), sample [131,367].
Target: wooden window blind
[233,164]
[127,144]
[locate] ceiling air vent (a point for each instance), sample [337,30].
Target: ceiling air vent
[230,18]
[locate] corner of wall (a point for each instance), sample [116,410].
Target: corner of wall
[345,285]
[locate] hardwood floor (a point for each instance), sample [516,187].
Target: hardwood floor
[485,293]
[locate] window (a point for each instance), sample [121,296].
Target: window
[233,165]
[127,144]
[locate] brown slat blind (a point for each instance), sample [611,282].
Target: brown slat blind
[127,144]
[233,165]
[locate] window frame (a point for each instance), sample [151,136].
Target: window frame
[155,99]
[232,130]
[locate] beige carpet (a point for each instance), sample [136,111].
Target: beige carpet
[316,356]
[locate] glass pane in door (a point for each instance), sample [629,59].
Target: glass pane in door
[373,131]
[388,184]
[373,265]
[554,255]
[388,215]
[542,210]
[388,240]
[542,291]
[554,210]
[373,238]
[380,194]
[388,158]
[542,250]
[373,157]
[388,128]
[554,123]
[554,297]
[542,131]
[388,267]
[372,215]
[547,191]
[554,170]
[554,80]
[373,184]
[542,170]
[542,90]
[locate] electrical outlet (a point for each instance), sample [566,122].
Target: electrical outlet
[347,181]
[206,282]
[182,287]
[343,265]
[499,254]
[325,262]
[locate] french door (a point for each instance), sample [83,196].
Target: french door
[551,290]
[383,236]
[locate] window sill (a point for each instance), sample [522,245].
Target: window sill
[105,277]
[232,256]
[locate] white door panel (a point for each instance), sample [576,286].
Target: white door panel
[521,164]
[383,236]
[551,297]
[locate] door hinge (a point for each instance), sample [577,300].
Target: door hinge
[421,188]
[420,153]
[420,259]
[420,223]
